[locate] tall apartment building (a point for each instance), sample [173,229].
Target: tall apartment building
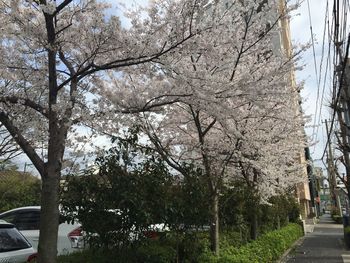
[302,189]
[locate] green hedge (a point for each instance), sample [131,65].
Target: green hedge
[337,219]
[267,248]
[151,252]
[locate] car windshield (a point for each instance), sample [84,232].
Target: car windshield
[11,239]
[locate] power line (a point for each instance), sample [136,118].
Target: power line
[339,61]
[338,93]
[315,65]
[320,75]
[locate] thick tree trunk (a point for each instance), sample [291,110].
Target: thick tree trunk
[50,174]
[49,217]
[214,224]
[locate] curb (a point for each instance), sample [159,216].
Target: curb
[284,257]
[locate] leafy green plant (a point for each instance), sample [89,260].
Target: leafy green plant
[347,230]
[267,248]
[18,189]
[338,219]
[98,256]
[129,190]
[156,252]
[195,248]
[347,236]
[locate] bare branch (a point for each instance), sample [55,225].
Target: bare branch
[120,63]
[23,143]
[61,6]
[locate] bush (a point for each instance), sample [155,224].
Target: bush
[149,252]
[347,230]
[156,252]
[336,216]
[347,236]
[338,219]
[90,256]
[133,190]
[195,248]
[267,248]
[231,237]
[18,189]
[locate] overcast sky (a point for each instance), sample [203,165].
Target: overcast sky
[300,31]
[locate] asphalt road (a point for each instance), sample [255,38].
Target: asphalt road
[324,245]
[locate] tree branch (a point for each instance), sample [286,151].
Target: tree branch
[131,61]
[209,127]
[23,143]
[61,6]
[25,102]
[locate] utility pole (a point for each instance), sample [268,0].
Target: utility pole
[343,114]
[332,176]
[340,101]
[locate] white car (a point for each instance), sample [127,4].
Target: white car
[27,221]
[14,248]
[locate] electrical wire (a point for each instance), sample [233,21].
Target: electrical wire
[340,12]
[338,95]
[315,65]
[318,120]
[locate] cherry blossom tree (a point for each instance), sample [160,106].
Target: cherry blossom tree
[270,163]
[54,53]
[230,105]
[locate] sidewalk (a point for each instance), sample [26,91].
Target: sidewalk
[324,245]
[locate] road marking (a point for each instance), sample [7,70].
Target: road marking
[346,258]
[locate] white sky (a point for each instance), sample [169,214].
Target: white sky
[300,31]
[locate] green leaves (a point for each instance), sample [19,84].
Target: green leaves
[18,189]
[131,188]
[267,248]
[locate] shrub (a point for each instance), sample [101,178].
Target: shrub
[337,218]
[149,252]
[133,190]
[18,189]
[195,248]
[347,236]
[156,252]
[334,211]
[231,237]
[94,256]
[347,230]
[267,248]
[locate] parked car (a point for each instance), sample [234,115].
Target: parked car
[14,248]
[27,221]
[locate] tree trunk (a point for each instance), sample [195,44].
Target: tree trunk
[214,224]
[278,222]
[49,217]
[254,223]
[347,186]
